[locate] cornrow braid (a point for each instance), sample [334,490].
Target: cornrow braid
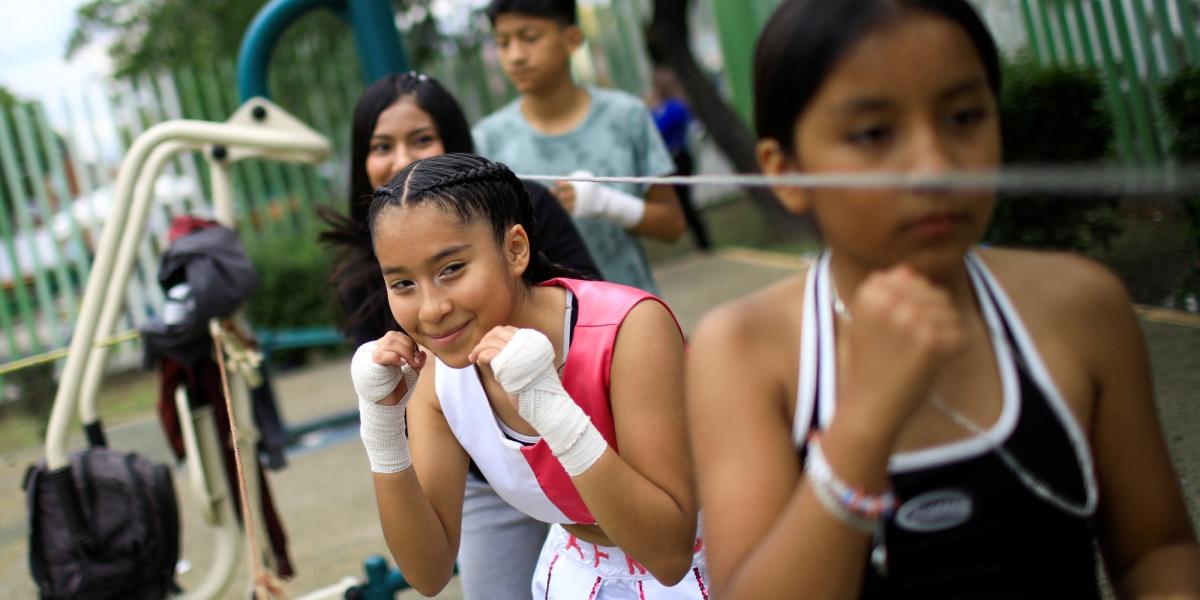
[472,188]
[493,171]
[480,173]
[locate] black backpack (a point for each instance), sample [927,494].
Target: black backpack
[105,527]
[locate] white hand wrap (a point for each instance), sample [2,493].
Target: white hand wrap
[381,427]
[525,369]
[595,200]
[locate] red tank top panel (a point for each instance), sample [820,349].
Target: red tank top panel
[586,376]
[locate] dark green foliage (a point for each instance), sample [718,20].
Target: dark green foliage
[1053,115]
[7,99]
[293,282]
[1180,99]
[29,391]
[155,35]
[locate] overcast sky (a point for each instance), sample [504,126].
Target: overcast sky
[33,37]
[32,46]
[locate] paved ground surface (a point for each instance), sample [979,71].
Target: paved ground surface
[325,494]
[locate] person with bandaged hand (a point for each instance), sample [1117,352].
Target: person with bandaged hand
[567,394]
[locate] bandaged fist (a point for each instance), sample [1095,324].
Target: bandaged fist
[385,371]
[594,200]
[518,357]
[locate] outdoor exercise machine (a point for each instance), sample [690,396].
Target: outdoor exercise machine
[258,129]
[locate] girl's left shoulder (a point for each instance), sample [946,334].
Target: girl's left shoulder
[1058,283]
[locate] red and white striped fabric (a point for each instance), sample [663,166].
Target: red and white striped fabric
[530,478]
[572,568]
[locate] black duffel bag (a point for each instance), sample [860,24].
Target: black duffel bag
[105,527]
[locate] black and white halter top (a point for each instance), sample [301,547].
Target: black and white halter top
[966,525]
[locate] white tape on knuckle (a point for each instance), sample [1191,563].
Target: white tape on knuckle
[525,368]
[623,209]
[381,427]
[527,357]
[373,381]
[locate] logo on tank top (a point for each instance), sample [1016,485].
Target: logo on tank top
[935,511]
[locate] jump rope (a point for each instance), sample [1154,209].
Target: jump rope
[1074,182]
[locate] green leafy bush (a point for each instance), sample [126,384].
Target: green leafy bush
[1053,116]
[1180,100]
[293,282]
[28,391]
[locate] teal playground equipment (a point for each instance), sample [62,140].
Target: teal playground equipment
[258,129]
[375,37]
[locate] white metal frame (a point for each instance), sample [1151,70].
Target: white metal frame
[257,129]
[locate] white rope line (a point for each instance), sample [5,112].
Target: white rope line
[1170,180]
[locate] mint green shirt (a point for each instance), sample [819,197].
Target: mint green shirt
[616,138]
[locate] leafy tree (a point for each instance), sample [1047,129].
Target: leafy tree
[7,98]
[150,36]
[156,35]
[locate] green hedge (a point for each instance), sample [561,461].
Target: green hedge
[293,282]
[1053,115]
[1180,100]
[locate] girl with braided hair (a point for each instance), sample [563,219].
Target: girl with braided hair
[401,118]
[567,394]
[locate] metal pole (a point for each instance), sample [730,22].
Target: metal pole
[1162,16]
[261,36]
[1112,94]
[1064,26]
[1048,29]
[1187,22]
[27,242]
[103,266]
[133,229]
[1031,29]
[379,49]
[1085,37]
[1137,86]
[1124,128]
[1153,80]
[737,30]
[8,232]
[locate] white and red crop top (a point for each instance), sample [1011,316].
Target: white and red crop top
[529,477]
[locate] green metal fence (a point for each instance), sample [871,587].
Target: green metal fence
[738,23]
[56,182]
[1136,44]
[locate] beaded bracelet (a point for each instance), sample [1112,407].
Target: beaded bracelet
[848,504]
